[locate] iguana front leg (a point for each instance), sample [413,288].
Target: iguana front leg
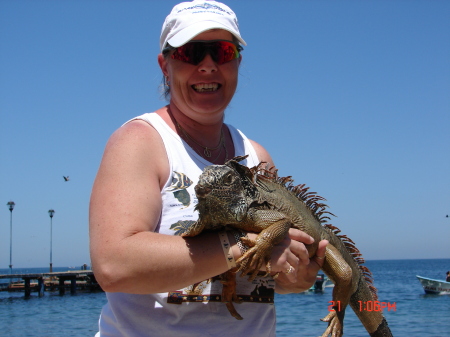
[272,227]
[338,270]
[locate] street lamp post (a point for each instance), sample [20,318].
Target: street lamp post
[51,212]
[11,205]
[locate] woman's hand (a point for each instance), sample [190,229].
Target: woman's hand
[300,271]
[291,266]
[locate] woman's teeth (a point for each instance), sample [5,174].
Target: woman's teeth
[206,87]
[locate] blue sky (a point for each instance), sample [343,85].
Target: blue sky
[351,98]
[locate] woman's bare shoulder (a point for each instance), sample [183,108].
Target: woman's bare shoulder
[263,154]
[137,145]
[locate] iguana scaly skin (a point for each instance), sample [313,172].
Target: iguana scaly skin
[257,200]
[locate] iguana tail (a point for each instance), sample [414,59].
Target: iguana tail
[369,311]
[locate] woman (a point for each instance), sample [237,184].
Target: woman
[158,283]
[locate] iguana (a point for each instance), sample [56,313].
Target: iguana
[257,200]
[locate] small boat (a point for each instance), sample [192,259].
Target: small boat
[322,282]
[432,286]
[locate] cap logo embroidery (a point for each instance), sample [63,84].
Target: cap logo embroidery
[207,8]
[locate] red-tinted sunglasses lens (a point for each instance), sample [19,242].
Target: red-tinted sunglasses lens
[194,52]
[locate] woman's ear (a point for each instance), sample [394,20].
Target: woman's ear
[163,64]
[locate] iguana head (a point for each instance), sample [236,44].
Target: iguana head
[222,190]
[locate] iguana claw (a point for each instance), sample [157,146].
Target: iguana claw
[254,259]
[334,328]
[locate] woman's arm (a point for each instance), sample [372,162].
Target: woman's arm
[125,206]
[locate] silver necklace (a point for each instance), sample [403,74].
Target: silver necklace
[206,150]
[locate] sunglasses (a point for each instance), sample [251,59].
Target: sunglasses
[194,52]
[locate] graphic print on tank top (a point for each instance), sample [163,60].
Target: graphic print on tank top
[180,183]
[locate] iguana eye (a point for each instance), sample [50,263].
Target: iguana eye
[228,178]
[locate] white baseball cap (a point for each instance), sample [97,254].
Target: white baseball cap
[188,19]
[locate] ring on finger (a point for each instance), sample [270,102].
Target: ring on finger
[320,257]
[290,270]
[276,275]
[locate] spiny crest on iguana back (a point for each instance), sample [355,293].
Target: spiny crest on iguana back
[254,178]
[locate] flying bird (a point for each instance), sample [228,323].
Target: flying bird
[66,178]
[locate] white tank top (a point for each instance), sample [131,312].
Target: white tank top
[195,310]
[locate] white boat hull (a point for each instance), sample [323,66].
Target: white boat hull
[432,286]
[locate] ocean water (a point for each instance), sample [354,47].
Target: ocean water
[415,314]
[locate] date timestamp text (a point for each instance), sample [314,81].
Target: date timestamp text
[366,306]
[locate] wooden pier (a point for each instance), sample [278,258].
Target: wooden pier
[73,280]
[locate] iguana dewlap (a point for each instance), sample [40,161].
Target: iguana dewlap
[257,200]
